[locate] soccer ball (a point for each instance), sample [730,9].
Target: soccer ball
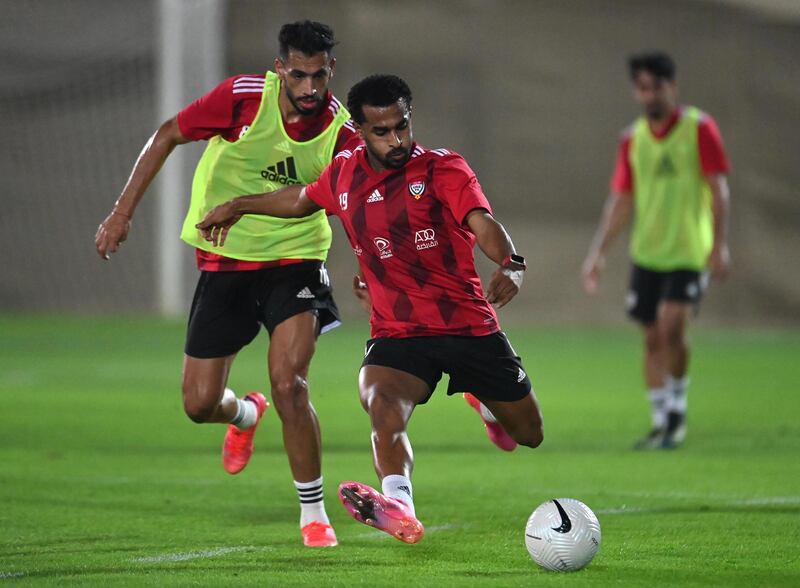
[562,535]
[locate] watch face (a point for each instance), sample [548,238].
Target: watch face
[517,260]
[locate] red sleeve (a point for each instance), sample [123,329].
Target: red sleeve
[320,191]
[458,186]
[622,178]
[209,115]
[713,159]
[347,139]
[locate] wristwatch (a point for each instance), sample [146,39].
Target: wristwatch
[516,260]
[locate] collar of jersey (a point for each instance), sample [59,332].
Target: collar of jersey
[673,121]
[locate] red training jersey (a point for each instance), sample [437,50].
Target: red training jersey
[713,159]
[227,111]
[406,227]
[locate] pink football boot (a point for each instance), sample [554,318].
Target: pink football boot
[392,516]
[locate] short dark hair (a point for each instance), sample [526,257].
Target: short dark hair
[377,90]
[307,36]
[656,63]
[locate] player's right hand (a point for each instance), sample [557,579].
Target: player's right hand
[217,222]
[591,271]
[111,233]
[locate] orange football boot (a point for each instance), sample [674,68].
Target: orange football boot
[497,434]
[317,534]
[238,446]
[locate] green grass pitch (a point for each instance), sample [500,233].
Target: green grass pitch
[104,481]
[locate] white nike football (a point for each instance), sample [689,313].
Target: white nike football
[562,535]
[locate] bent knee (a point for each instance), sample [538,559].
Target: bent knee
[200,402]
[532,437]
[364,402]
[386,413]
[198,412]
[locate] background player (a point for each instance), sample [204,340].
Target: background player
[412,216]
[670,177]
[264,131]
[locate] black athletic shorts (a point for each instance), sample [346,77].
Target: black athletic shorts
[229,307]
[649,288]
[486,366]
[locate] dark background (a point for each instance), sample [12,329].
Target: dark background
[533,94]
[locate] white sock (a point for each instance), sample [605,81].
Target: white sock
[679,389]
[660,402]
[487,415]
[399,487]
[312,506]
[246,411]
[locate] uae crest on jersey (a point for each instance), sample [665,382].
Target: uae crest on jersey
[416,189]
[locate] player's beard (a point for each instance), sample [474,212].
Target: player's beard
[402,156]
[657,111]
[303,110]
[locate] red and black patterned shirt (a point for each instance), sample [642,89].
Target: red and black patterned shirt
[407,230]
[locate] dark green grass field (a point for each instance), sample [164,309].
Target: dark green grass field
[104,481]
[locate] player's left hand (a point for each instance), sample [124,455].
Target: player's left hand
[362,293]
[217,222]
[503,286]
[719,262]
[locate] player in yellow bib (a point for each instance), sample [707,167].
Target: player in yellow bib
[264,132]
[670,179]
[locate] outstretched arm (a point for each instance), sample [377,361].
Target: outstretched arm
[114,229]
[495,242]
[616,215]
[288,202]
[720,259]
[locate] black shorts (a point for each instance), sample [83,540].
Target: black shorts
[486,366]
[229,307]
[649,288]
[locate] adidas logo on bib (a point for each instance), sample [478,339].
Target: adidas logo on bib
[283,172]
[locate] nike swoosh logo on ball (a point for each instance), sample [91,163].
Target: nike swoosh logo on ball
[566,524]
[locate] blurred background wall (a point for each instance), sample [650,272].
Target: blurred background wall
[533,93]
